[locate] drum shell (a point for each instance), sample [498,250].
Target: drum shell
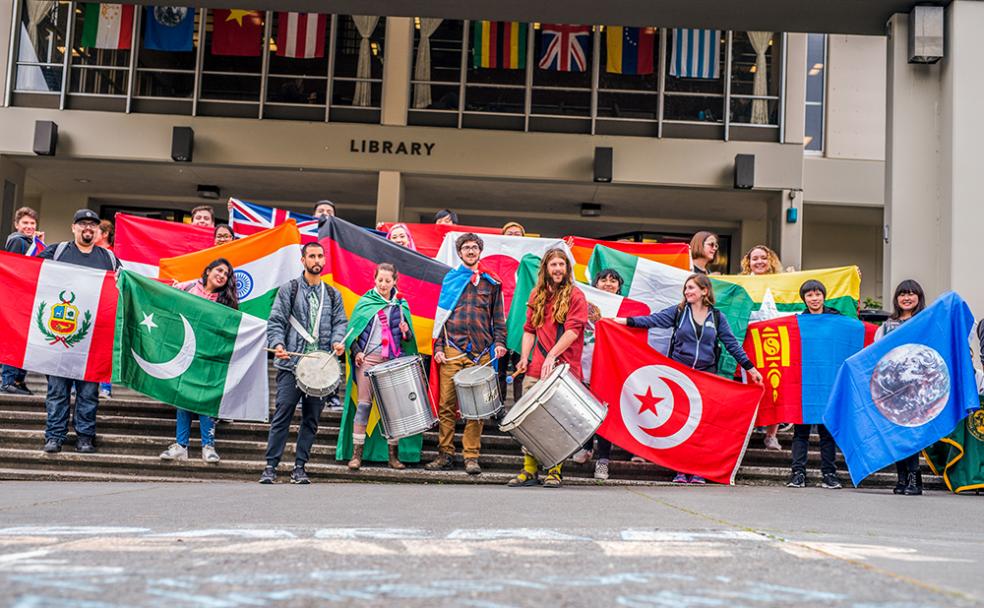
[555,418]
[400,389]
[478,393]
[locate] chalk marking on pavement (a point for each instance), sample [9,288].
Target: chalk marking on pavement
[654,535]
[861,552]
[42,601]
[12,558]
[340,547]
[625,548]
[668,599]
[446,548]
[539,534]
[27,540]
[69,530]
[122,544]
[486,604]
[225,532]
[373,533]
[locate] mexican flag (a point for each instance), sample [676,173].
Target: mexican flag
[959,457]
[141,242]
[682,419]
[188,352]
[261,262]
[57,318]
[107,26]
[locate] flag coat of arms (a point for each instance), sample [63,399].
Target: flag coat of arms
[668,413]
[141,242]
[169,28]
[236,32]
[261,264]
[630,49]
[428,238]
[249,218]
[57,318]
[696,54]
[906,391]
[959,457]
[189,352]
[671,254]
[499,44]
[565,48]
[301,35]
[107,26]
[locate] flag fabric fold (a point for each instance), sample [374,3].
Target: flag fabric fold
[248,218]
[671,254]
[141,242]
[959,457]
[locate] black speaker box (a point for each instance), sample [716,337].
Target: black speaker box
[45,137]
[744,171]
[603,161]
[182,144]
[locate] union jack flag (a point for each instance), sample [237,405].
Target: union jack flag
[248,218]
[564,48]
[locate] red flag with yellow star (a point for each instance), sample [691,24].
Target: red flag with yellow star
[237,32]
[685,420]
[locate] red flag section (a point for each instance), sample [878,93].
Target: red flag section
[428,237]
[237,32]
[141,242]
[775,348]
[667,413]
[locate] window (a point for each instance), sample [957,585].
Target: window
[357,84]
[41,54]
[816,62]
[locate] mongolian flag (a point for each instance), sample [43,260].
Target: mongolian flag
[352,256]
[428,237]
[671,254]
[630,49]
[237,32]
[499,44]
[141,242]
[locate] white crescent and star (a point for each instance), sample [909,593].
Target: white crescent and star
[650,397]
[177,365]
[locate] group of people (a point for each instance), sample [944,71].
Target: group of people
[309,315]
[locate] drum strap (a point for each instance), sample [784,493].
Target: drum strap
[309,337]
[542,349]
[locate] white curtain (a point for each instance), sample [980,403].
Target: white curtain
[422,68]
[36,11]
[363,89]
[760,107]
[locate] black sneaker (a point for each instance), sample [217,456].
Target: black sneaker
[84,445]
[23,386]
[298,475]
[797,480]
[13,389]
[269,475]
[831,482]
[51,446]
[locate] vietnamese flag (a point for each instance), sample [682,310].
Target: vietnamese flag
[671,254]
[428,237]
[141,242]
[352,254]
[668,413]
[237,32]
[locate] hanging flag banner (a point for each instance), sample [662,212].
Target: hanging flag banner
[696,54]
[301,35]
[565,48]
[107,26]
[499,44]
[246,218]
[169,28]
[237,33]
[630,49]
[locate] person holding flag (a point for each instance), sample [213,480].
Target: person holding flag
[697,328]
[400,234]
[703,251]
[556,317]
[469,329]
[378,332]
[25,240]
[224,234]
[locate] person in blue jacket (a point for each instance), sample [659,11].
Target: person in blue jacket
[697,329]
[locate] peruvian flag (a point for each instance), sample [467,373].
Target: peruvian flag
[141,242]
[57,319]
[301,35]
[689,421]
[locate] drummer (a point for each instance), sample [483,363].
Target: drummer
[378,332]
[307,315]
[556,316]
[468,335]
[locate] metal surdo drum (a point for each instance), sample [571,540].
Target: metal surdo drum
[400,389]
[318,374]
[478,392]
[555,417]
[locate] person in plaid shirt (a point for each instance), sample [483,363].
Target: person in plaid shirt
[475,329]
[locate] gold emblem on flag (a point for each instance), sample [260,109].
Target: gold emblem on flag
[772,354]
[975,424]
[61,324]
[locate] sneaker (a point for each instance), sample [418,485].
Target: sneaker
[443,462]
[13,389]
[209,454]
[785,427]
[771,443]
[582,456]
[269,475]
[84,445]
[638,460]
[681,478]
[697,480]
[105,393]
[334,404]
[51,446]
[472,467]
[299,476]
[831,482]
[175,452]
[21,385]
[601,470]
[796,480]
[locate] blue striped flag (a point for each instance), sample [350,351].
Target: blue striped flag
[696,54]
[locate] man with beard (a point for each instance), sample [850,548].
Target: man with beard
[307,315]
[83,252]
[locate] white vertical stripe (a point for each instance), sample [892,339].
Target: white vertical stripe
[246,395]
[291,50]
[108,32]
[311,35]
[147,270]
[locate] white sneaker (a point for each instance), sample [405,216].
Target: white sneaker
[601,470]
[175,452]
[582,456]
[209,454]
[771,443]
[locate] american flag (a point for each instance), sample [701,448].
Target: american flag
[565,47]
[249,218]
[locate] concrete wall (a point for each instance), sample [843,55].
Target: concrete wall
[855,103]
[827,244]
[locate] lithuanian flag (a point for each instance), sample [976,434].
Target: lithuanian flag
[671,254]
[499,44]
[352,254]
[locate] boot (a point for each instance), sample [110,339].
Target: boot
[912,485]
[356,463]
[900,484]
[394,459]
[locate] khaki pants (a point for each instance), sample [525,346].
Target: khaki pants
[471,441]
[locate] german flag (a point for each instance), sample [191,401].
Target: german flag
[352,254]
[499,44]
[671,254]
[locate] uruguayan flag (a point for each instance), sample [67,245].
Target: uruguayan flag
[696,53]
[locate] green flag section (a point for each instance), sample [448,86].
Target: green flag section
[375,448]
[529,265]
[959,457]
[188,352]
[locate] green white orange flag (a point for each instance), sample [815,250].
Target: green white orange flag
[189,352]
[261,262]
[671,254]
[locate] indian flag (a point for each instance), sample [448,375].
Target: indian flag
[107,26]
[261,262]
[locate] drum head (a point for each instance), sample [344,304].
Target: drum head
[318,374]
[473,376]
[531,399]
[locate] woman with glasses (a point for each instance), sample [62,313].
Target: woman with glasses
[703,251]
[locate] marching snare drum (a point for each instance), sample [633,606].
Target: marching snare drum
[400,389]
[478,392]
[318,374]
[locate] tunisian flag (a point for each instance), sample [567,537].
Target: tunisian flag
[57,319]
[668,413]
[141,242]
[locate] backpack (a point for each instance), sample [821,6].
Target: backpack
[295,286]
[61,247]
[716,318]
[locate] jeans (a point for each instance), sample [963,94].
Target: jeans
[801,443]
[58,403]
[12,375]
[205,424]
[287,397]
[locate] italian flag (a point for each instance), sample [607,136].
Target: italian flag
[107,26]
[261,263]
[57,318]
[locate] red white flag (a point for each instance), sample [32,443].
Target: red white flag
[689,421]
[57,318]
[301,35]
[141,242]
[237,32]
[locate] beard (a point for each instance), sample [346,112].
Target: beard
[87,238]
[315,269]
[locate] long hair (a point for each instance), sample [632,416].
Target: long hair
[704,283]
[775,266]
[228,293]
[546,291]
[697,245]
[914,287]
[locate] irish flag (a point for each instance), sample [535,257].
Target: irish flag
[262,263]
[671,254]
[107,26]
[57,318]
[141,242]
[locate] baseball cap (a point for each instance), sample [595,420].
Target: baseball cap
[324,202]
[85,215]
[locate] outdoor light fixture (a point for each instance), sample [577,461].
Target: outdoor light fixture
[926,34]
[209,192]
[590,210]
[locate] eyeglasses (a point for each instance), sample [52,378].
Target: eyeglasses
[470,248]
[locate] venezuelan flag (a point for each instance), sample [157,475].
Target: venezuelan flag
[630,49]
[671,254]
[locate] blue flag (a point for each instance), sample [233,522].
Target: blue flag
[169,28]
[905,391]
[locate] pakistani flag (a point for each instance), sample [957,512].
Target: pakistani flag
[191,353]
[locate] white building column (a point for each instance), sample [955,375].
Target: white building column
[794,112]
[788,235]
[397,63]
[389,197]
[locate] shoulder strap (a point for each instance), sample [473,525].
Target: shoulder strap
[676,324]
[112,259]
[60,250]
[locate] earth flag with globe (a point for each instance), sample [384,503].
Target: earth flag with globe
[906,391]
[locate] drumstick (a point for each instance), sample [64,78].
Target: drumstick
[273,350]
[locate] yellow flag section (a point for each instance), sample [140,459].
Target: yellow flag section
[778,293]
[261,264]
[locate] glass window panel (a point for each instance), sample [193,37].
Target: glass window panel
[313,66]
[741,110]
[97,81]
[816,51]
[443,97]
[445,51]
[231,88]
[347,45]
[38,78]
[628,105]
[489,99]
[744,69]
[41,51]
[561,103]
[164,84]
[814,128]
[344,92]
[309,91]
[696,109]
[633,82]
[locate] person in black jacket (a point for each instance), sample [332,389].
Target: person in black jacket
[21,241]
